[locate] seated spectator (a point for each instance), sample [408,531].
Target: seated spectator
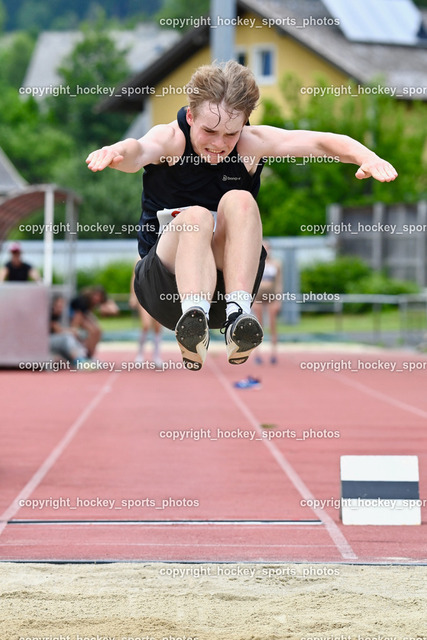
[16,270]
[82,314]
[63,341]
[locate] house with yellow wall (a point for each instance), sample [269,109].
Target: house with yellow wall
[275,39]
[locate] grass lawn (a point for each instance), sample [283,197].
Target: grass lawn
[329,323]
[310,323]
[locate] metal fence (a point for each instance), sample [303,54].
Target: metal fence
[412,322]
[391,237]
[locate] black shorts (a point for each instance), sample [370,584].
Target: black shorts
[156,290]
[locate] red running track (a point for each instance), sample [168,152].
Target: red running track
[90,457]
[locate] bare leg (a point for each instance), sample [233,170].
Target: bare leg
[258,310]
[144,320]
[94,334]
[237,249]
[188,250]
[90,325]
[157,330]
[273,310]
[237,241]
[185,250]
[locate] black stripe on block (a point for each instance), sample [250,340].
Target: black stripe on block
[367,489]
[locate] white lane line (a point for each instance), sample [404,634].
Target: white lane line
[337,536]
[52,458]
[167,523]
[379,395]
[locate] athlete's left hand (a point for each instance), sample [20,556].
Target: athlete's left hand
[377,168]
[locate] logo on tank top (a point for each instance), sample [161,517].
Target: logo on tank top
[225,178]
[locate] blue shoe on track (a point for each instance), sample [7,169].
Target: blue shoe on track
[248,383]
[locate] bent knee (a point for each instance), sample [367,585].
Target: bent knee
[240,197]
[194,219]
[94,331]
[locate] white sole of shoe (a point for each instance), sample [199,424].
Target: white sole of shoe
[247,334]
[192,335]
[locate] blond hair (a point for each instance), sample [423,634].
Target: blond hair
[232,85]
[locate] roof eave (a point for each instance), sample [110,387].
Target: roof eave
[191,42]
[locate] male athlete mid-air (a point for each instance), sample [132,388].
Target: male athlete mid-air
[204,267]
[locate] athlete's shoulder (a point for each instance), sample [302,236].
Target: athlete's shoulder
[168,138]
[252,139]
[254,134]
[163,133]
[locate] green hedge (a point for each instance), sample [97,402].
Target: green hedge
[333,277]
[115,277]
[353,276]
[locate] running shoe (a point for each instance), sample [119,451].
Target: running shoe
[242,333]
[248,383]
[192,335]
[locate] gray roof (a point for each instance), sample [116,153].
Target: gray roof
[10,179]
[402,68]
[144,44]
[399,66]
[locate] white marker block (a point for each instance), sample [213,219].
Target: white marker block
[380,490]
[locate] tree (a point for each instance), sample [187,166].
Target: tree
[28,138]
[93,70]
[173,9]
[110,197]
[296,192]
[3,15]
[58,14]
[33,15]
[14,60]
[26,134]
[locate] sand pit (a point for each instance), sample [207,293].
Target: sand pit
[212,602]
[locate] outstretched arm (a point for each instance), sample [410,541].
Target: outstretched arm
[131,155]
[125,156]
[349,150]
[276,142]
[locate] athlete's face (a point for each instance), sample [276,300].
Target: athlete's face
[214,132]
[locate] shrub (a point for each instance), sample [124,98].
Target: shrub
[333,277]
[115,277]
[353,276]
[379,283]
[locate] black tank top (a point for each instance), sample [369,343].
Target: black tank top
[191,181]
[19,273]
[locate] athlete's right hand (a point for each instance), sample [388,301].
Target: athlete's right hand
[102,158]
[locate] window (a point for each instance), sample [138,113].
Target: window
[265,64]
[242,57]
